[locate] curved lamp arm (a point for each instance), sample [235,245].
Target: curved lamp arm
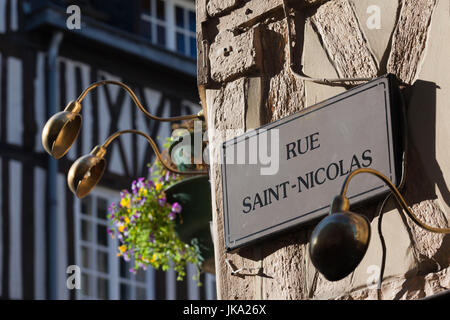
[136,101]
[155,149]
[397,195]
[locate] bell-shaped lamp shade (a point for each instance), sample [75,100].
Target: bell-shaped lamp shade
[61,130]
[339,243]
[86,172]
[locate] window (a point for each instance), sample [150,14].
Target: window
[154,24]
[171,24]
[103,275]
[185,31]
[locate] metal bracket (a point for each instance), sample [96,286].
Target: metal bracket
[238,271]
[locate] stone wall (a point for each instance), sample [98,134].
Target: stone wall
[245,81]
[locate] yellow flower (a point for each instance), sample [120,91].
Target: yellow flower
[158,187]
[127,220]
[142,192]
[153,258]
[119,254]
[123,248]
[125,202]
[121,228]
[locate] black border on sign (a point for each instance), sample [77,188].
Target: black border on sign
[391,134]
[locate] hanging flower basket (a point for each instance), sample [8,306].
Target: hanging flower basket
[194,196]
[145,225]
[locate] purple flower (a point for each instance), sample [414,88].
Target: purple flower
[142,201]
[126,257]
[150,184]
[143,266]
[152,238]
[132,270]
[111,208]
[137,185]
[162,202]
[134,187]
[172,215]
[109,231]
[176,207]
[120,237]
[167,177]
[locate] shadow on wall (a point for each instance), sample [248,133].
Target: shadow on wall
[423,171]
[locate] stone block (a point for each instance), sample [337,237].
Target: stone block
[217,7]
[409,38]
[232,56]
[338,27]
[253,12]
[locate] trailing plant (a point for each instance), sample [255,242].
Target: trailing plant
[144,224]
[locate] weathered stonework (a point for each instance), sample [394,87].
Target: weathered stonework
[369,14]
[408,43]
[342,37]
[332,40]
[234,55]
[226,112]
[285,92]
[216,7]
[252,12]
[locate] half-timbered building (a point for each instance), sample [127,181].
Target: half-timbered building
[148,44]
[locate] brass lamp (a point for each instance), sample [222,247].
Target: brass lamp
[86,172]
[340,241]
[62,129]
